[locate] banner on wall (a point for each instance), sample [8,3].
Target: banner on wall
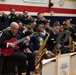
[37,1]
[70,0]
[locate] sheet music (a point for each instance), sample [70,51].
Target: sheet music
[44,61]
[63,36]
[47,60]
[72,53]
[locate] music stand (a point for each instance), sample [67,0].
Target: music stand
[68,33]
[63,37]
[58,40]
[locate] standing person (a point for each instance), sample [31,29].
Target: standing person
[17,55]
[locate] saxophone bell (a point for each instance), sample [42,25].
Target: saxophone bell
[72,44]
[56,50]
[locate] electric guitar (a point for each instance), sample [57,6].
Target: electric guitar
[9,51]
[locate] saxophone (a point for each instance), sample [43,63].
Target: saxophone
[56,51]
[42,50]
[72,44]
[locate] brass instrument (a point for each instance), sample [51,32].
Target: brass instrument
[26,25]
[67,27]
[71,43]
[56,51]
[42,50]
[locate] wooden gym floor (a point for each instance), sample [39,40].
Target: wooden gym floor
[39,74]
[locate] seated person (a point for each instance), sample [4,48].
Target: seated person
[51,43]
[37,41]
[17,55]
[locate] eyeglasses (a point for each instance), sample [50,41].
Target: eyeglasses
[15,28]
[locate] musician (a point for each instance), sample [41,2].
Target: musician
[32,25]
[73,35]
[73,32]
[12,16]
[2,19]
[40,18]
[67,24]
[61,28]
[72,28]
[23,30]
[66,45]
[17,55]
[54,33]
[53,36]
[37,40]
[25,18]
[47,26]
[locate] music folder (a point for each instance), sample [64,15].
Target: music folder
[68,33]
[63,37]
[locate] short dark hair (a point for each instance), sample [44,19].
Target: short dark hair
[24,11]
[56,23]
[18,21]
[37,25]
[11,9]
[38,13]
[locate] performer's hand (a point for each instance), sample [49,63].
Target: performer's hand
[25,30]
[68,46]
[27,50]
[28,39]
[35,52]
[58,46]
[11,45]
[50,53]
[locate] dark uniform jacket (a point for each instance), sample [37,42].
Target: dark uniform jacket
[73,32]
[2,19]
[51,40]
[12,18]
[24,19]
[7,35]
[35,42]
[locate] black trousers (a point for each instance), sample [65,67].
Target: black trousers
[64,50]
[18,59]
[31,62]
